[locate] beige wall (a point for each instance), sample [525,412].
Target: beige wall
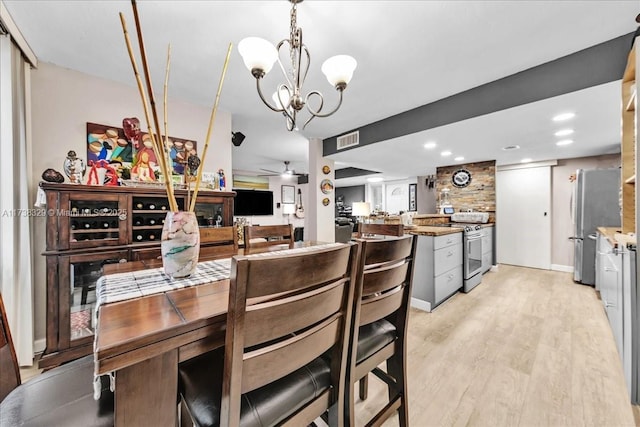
[63,101]
[562,189]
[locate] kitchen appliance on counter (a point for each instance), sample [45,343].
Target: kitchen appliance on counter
[445,204]
[594,204]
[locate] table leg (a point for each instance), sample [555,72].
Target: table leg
[146,392]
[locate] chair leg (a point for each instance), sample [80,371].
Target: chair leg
[363,386]
[396,369]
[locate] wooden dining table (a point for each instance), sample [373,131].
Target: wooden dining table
[144,339]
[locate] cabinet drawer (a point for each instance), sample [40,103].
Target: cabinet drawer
[447,240]
[448,283]
[446,258]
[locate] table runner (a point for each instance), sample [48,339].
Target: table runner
[123,286]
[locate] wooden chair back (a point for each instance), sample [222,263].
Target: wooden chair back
[258,237]
[9,369]
[365,230]
[220,242]
[284,312]
[385,275]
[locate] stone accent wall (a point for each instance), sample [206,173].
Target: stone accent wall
[479,195]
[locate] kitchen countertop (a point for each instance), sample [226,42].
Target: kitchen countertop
[615,237]
[431,216]
[425,230]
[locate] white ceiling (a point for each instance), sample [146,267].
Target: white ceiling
[409,53]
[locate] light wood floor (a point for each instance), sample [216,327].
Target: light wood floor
[525,348]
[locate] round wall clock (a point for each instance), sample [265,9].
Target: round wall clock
[461,178]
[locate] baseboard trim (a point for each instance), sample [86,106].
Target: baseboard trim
[563,268]
[421,304]
[39,345]
[494,268]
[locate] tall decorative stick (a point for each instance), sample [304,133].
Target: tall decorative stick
[210,129]
[169,186]
[154,110]
[165,146]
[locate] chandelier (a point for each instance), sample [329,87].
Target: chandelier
[259,55]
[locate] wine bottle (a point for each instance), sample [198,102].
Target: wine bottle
[151,236]
[151,221]
[94,224]
[139,237]
[105,224]
[87,225]
[151,206]
[139,205]
[86,211]
[114,224]
[163,207]
[74,225]
[137,220]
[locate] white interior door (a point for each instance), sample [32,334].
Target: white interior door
[523,217]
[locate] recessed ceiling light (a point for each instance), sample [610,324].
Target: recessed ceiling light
[511,147]
[564,116]
[445,153]
[459,159]
[526,160]
[565,142]
[375,179]
[564,132]
[430,145]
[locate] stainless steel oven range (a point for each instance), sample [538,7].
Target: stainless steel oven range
[472,255]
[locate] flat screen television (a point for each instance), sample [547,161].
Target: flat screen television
[252,202]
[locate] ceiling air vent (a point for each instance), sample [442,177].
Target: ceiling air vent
[348,140]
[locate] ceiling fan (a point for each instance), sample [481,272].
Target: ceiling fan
[285,173]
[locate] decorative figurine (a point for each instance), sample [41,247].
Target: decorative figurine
[193,162]
[74,168]
[52,175]
[222,181]
[96,173]
[131,127]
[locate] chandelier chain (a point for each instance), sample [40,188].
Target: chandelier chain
[294,42]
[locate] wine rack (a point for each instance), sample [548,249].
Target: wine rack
[90,226]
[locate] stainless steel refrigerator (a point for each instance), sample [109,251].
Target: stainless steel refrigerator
[595,204]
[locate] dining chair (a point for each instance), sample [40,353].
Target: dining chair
[285,354]
[218,242]
[62,396]
[379,331]
[263,236]
[380,229]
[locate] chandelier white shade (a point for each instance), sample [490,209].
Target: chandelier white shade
[259,56]
[257,53]
[339,69]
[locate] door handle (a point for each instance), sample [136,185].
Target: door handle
[592,237]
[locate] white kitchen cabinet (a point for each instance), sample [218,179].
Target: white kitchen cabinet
[487,248]
[437,270]
[615,269]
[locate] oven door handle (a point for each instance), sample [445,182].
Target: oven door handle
[470,238]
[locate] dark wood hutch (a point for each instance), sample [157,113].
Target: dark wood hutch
[90,226]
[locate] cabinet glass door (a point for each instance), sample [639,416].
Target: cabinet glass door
[210,214]
[83,273]
[92,221]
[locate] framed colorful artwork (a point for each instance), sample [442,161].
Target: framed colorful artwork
[129,146]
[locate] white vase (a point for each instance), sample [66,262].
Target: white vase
[180,244]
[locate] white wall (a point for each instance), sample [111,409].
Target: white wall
[275,185]
[397,195]
[63,101]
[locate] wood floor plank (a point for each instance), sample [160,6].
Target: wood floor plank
[527,347]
